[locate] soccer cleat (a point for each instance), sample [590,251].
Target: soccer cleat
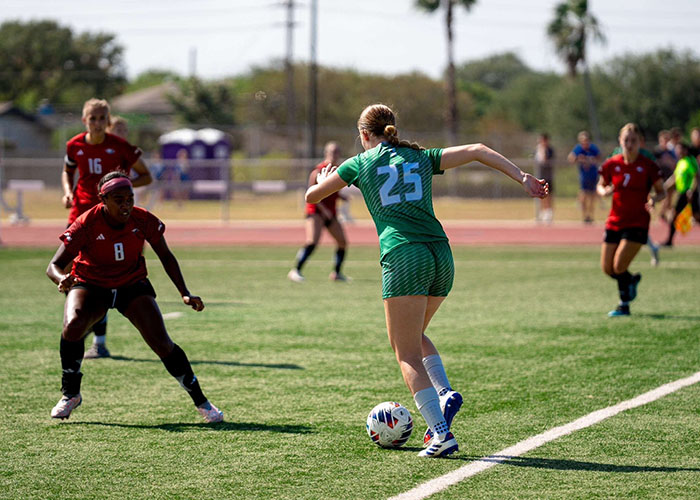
[65,406]
[619,311]
[440,448]
[210,413]
[295,276]
[97,351]
[636,278]
[450,403]
[334,276]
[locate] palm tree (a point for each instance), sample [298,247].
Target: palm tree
[569,30]
[452,113]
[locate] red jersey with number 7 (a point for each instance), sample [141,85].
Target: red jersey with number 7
[107,256]
[93,161]
[632,183]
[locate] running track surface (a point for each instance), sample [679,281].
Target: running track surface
[211,233]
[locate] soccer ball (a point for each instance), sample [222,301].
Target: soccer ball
[389,424]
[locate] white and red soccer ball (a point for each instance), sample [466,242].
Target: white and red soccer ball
[389,424]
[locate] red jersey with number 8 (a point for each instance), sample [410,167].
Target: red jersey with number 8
[93,161]
[111,257]
[632,183]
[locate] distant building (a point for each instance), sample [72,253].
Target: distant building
[22,133]
[152,102]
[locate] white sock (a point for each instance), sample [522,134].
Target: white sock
[428,405]
[436,371]
[99,339]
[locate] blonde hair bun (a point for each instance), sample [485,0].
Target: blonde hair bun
[390,131]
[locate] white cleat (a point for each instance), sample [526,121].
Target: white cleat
[440,448]
[450,404]
[65,406]
[295,276]
[210,413]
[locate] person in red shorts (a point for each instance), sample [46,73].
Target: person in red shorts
[93,154]
[628,177]
[318,216]
[105,245]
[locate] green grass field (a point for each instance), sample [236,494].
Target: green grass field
[296,369]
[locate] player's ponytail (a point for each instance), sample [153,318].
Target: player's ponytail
[379,120]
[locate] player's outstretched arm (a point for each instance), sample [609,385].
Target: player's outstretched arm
[328,182]
[603,189]
[144,175]
[659,194]
[461,155]
[56,270]
[172,269]
[67,178]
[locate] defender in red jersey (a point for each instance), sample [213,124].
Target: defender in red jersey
[628,177]
[109,271]
[93,154]
[318,216]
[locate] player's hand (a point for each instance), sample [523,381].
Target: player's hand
[67,200]
[66,283]
[193,301]
[325,173]
[537,188]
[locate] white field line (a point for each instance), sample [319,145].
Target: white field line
[438,484]
[173,315]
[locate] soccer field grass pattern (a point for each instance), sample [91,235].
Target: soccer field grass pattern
[296,369]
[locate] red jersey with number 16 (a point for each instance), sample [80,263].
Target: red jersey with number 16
[111,257]
[632,183]
[93,161]
[329,202]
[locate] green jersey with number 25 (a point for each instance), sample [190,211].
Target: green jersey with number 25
[397,186]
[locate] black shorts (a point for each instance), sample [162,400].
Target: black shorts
[326,222]
[682,201]
[119,298]
[636,234]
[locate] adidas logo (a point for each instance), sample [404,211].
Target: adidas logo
[101,237]
[80,152]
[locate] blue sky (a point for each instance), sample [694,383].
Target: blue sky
[380,36]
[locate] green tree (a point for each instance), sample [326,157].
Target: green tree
[204,103]
[569,30]
[452,109]
[42,60]
[494,72]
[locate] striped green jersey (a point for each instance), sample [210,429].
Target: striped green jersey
[397,186]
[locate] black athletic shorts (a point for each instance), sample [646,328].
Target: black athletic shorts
[636,234]
[682,201]
[120,298]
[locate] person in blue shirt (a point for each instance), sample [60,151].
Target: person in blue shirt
[587,155]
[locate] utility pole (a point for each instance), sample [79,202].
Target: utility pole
[313,81]
[289,70]
[193,62]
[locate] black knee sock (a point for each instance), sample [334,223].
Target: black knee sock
[303,254]
[339,257]
[179,367]
[672,231]
[71,359]
[623,285]
[100,328]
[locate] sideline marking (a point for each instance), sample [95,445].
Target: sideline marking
[438,484]
[173,315]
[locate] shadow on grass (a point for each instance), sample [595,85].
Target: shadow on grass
[559,464]
[279,366]
[688,317]
[222,426]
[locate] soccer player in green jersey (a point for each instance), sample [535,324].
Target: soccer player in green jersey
[395,178]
